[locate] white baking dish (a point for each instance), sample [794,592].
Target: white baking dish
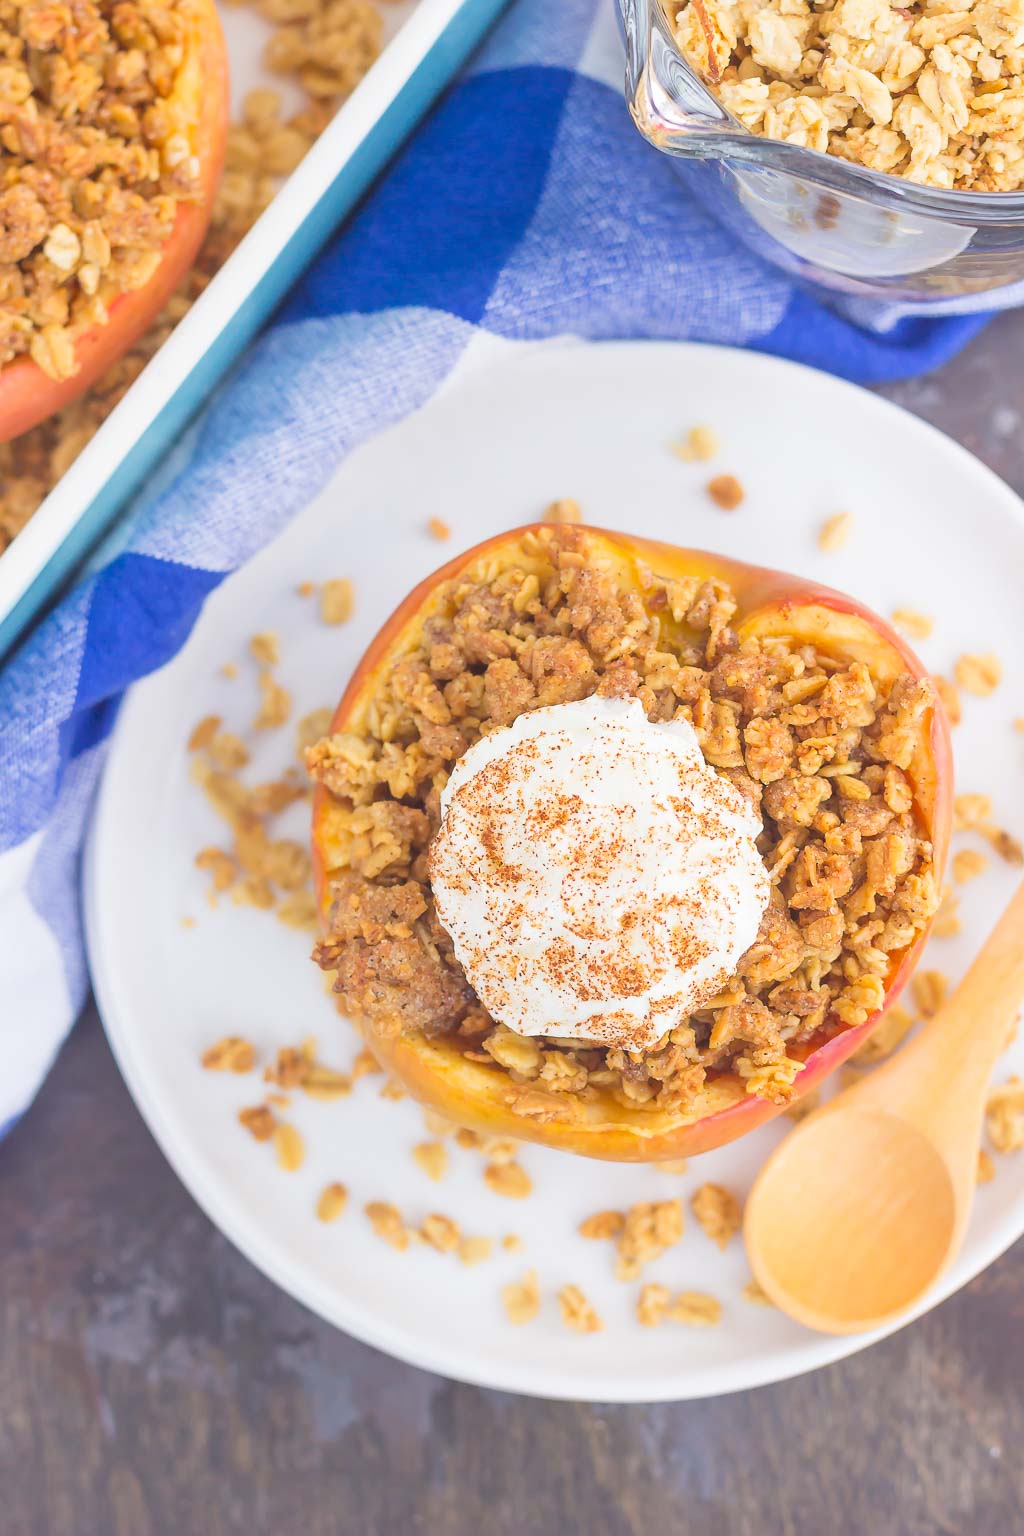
[431,41]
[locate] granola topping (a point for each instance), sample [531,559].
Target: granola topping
[819,747]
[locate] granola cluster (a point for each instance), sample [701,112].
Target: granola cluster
[326,46]
[819,746]
[929,91]
[97,155]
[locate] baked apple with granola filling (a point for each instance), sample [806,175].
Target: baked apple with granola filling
[621,847]
[114,139]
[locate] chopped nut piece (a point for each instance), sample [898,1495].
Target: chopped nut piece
[230,1054]
[441,1232]
[699,445]
[337,601]
[258,1121]
[695,1310]
[603,1224]
[204,733]
[474,1250]
[264,649]
[289,1146]
[387,1223]
[564,511]
[891,1030]
[651,1305]
[968,864]
[324,1083]
[726,492]
[979,674]
[432,1157]
[835,532]
[917,625]
[651,1228]
[717,1211]
[1007,847]
[508,1179]
[929,989]
[986,1167]
[757,1297]
[439,529]
[332,1202]
[1004,1116]
[276,704]
[577,1313]
[522,1301]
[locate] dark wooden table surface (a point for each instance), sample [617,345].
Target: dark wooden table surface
[152,1383]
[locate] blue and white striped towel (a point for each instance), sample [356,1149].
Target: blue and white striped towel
[528,206]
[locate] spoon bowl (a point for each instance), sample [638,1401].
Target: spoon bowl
[857,1213]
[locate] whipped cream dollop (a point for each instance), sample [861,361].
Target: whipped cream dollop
[597,878]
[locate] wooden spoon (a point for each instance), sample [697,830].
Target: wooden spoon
[862,1207]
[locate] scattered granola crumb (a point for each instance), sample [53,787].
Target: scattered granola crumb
[699,445]
[512,1243]
[979,674]
[603,1224]
[968,864]
[470,1140]
[264,649]
[474,1250]
[439,529]
[289,1146]
[279,1100]
[259,1121]
[337,601]
[1018,724]
[387,1223]
[298,911]
[393,1090]
[718,1212]
[917,625]
[947,922]
[651,1305]
[890,1031]
[310,729]
[204,733]
[1007,847]
[439,1126]
[651,1227]
[522,1301]
[726,492]
[229,670]
[756,1295]
[188,921]
[432,1157]
[577,1313]
[929,990]
[275,704]
[971,811]
[804,1106]
[220,866]
[835,532]
[228,752]
[673,1165]
[695,1310]
[508,1179]
[326,1084]
[441,1232]
[365,1065]
[564,511]
[949,698]
[986,1167]
[306,588]
[1004,1116]
[229,1054]
[332,1202]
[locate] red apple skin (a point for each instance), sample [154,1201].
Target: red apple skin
[474,1095]
[27,394]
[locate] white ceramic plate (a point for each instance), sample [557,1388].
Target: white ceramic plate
[515,427]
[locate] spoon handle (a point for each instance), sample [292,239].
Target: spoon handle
[961,1044]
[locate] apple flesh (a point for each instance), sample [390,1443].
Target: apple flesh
[469,1093]
[27,394]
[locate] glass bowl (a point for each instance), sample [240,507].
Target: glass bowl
[823,220]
